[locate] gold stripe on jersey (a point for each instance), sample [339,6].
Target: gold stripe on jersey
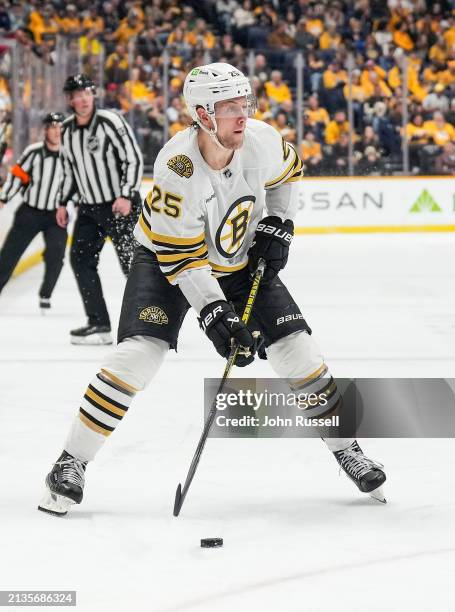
[145,225]
[94,426]
[289,171]
[297,174]
[165,257]
[175,241]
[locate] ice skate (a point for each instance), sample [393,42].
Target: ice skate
[44,305]
[91,334]
[64,485]
[367,474]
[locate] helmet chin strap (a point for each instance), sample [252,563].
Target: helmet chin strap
[212,133]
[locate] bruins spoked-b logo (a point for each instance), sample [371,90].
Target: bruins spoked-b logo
[233,228]
[153,314]
[182,165]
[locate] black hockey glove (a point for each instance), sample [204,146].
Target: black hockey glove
[271,243]
[222,325]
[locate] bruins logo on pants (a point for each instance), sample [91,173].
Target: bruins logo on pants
[233,228]
[153,314]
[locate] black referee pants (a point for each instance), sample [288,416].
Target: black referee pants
[28,222]
[96,222]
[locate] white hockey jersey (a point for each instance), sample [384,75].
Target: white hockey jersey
[201,222]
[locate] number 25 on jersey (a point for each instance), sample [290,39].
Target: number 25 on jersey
[167,203]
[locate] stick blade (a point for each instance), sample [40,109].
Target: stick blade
[178,500]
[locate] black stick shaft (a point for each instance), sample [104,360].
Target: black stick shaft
[180,493]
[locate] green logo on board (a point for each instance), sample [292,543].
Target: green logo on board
[425,203]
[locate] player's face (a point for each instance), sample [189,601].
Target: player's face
[53,133]
[231,116]
[82,102]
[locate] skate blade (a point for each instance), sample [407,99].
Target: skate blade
[92,340]
[54,504]
[378,495]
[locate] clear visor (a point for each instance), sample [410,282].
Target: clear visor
[244,106]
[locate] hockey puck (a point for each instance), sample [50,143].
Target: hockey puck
[211,542]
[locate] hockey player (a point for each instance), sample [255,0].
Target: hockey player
[221,201]
[36,176]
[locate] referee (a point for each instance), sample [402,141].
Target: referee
[36,176]
[103,164]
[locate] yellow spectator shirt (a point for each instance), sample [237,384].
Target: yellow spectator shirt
[278,93]
[441,136]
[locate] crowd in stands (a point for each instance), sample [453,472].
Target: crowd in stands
[121,44]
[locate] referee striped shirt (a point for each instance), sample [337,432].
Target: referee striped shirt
[37,175]
[101,160]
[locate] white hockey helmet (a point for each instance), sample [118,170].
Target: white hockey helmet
[206,85]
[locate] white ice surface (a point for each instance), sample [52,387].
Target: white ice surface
[298,537]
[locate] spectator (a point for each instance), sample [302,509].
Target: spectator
[338,126]
[330,39]
[334,76]
[445,162]
[225,10]
[243,15]
[436,100]
[117,65]
[439,130]
[261,69]
[368,139]
[340,155]
[70,24]
[200,35]
[314,24]
[303,39]
[276,89]
[318,117]
[93,21]
[44,23]
[279,39]
[281,124]
[262,109]
[315,67]
[334,79]
[447,77]
[111,100]
[311,153]
[369,162]
[137,90]
[128,28]
[417,139]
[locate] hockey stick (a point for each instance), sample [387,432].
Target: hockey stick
[180,493]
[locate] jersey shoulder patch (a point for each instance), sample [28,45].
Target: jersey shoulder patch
[181,165]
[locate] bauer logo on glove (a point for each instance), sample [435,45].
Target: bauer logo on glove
[271,243]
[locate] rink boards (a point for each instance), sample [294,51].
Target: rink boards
[339,205]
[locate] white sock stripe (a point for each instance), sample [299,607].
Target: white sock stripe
[109,391]
[99,415]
